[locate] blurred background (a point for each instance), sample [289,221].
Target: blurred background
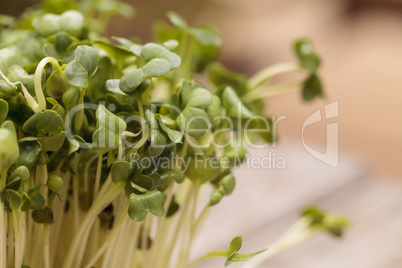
[360,43]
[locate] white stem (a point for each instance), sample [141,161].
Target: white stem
[266,74]
[38,80]
[30,100]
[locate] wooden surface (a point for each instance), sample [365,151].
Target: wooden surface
[266,202]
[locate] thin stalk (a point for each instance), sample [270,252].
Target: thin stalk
[266,74]
[186,247]
[17,245]
[3,237]
[98,175]
[271,91]
[178,231]
[38,80]
[77,248]
[213,254]
[46,231]
[76,206]
[298,233]
[79,117]
[116,227]
[30,100]
[138,145]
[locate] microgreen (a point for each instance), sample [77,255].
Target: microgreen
[126,138]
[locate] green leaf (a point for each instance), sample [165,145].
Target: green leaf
[233,256]
[227,184]
[305,52]
[155,201]
[173,135]
[153,51]
[222,77]
[62,41]
[6,88]
[173,208]
[37,199]
[194,121]
[121,171]
[76,74]
[243,257]
[44,215]
[203,168]
[108,131]
[137,209]
[113,85]
[9,57]
[70,21]
[53,143]
[88,57]
[55,183]
[235,153]
[199,98]
[9,150]
[150,201]
[71,97]
[177,20]
[215,111]
[3,110]
[156,68]
[233,105]
[44,122]
[312,88]
[14,199]
[216,197]
[131,80]
[178,176]
[29,152]
[56,84]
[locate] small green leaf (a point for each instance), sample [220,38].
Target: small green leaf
[14,199]
[203,168]
[55,183]
[233,256]
[37,199]
[44,122]
[233,105]
[76,74]
[9,151]
[121,171]
[113,85]
[53,143]
[227,184]
[178,176]
[137,209]
[305,52]
[312,88]
[173,135]
[131,80]
[156,68]
[177,20]
[56,84]
[216,197]
[3,110]
[199,98]
[243,257]
[44,215]
[108,131]
[140,204]
[194,121]
[29,152]
[88,57]
[155,201]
